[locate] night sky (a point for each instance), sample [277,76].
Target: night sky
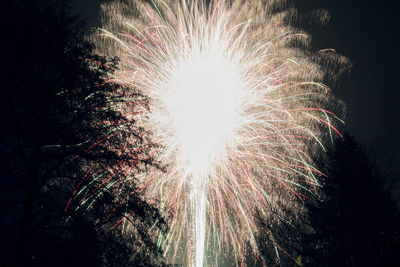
[366,32]
[49,151]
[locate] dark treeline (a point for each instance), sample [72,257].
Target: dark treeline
[52,86]
[354,221]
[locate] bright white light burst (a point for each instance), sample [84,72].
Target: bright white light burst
[202,100]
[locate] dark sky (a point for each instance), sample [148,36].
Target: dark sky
[366,32]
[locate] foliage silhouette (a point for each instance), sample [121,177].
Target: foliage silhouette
[51,89]
[356,222]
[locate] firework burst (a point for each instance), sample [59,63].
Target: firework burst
[235,103]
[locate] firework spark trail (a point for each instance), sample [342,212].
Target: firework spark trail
[236,108]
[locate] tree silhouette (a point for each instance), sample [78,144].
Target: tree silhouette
[52,89]
[356,222]
[286,228]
